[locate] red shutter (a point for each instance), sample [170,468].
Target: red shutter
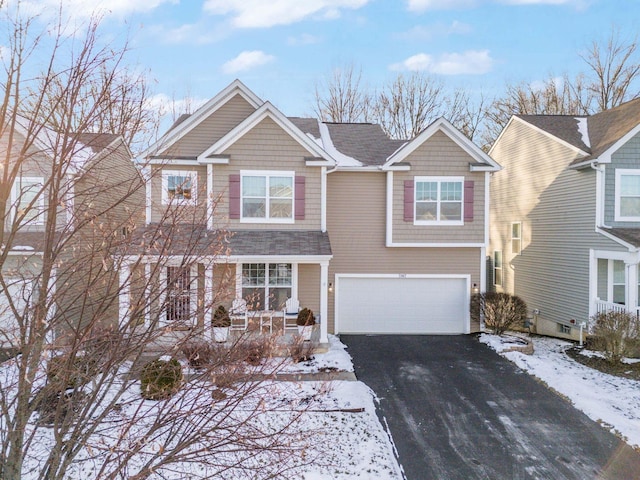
[468,201]
[234,196]
[409,198]
[299,198]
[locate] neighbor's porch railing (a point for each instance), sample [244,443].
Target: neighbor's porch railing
[602,306]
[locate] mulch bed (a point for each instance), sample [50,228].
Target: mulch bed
[626,370]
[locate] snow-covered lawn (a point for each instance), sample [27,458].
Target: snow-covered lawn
[612,401]
[348,440]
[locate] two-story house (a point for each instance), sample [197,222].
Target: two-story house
[70,199]
[565,215]
[374,235]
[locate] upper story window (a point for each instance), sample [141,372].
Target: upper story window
[627,195]
[516,238]
[267,196]
[27,199]
[439,200]
[179,186]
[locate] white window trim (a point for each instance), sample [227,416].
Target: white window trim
[294,276]
[439,180]
[15,194]
[519,238]
[620,172]
[193,174]
[267,174]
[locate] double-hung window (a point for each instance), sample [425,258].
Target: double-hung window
[627,195]
[439,200]
[516,238]
[179,186]
[266,286]
[27,198]
[497,268]
[267,196]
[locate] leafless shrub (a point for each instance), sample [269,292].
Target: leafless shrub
[617,331]
[301,351]
[500,311]
[199,354]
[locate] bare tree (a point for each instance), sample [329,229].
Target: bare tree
[83,306]
[342,97]
[614,70]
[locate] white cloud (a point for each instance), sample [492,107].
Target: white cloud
[423,5]
[191,33]
[261,13]
[246,61]
[87,8]
[471,62]
[169,105]
[427,32]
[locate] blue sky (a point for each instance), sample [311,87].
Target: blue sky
[282,48]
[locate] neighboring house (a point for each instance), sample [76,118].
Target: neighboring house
[97,190]
[565,215]
[374,235]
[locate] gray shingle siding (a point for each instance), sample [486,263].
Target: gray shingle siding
[627,157]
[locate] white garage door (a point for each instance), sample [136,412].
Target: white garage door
[411,305]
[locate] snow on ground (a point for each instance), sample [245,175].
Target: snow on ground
[352,442]
[610,400]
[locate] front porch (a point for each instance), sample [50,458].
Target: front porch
[615,282]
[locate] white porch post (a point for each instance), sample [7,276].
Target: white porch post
[324,301]
[632,286]
[147,294]
[209,196]
[125,289]
[208,298]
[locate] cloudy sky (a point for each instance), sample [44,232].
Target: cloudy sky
[282,48]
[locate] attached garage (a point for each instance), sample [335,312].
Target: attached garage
[402,304]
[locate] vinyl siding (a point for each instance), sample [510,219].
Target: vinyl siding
[212,129]
[178,213]
[556,206]
[439,156]
[627,157]
[268,147]
[309,287]
[356,208]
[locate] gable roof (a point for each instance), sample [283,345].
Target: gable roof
[443,125]
[185,123]
[597,136]
[267,110]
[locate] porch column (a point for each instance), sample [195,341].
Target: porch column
[125,289]
[632,286]
[208,298]
[147,294]
[324,301]
[209,196]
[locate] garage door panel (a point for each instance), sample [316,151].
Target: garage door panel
[402,305]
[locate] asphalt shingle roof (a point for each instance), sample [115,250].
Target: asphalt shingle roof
[629,235]
[564,127]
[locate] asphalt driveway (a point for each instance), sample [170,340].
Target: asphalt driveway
[457,410]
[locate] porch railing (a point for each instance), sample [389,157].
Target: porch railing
[603,307]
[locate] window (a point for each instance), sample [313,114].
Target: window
[618,282]
[497,268]
[516,238]
[266,286]
[438,200]
[179,186]
[179,294]
[627,195]
[562,328]
[27,198]
[267,196]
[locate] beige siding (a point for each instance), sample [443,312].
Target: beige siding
[268,147]
[439,156]
[175,212]
[356,223]
[556,206]
[212,128]
[309,286]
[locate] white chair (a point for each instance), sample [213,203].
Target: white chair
[290,313]
[266,320]
[239,315]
